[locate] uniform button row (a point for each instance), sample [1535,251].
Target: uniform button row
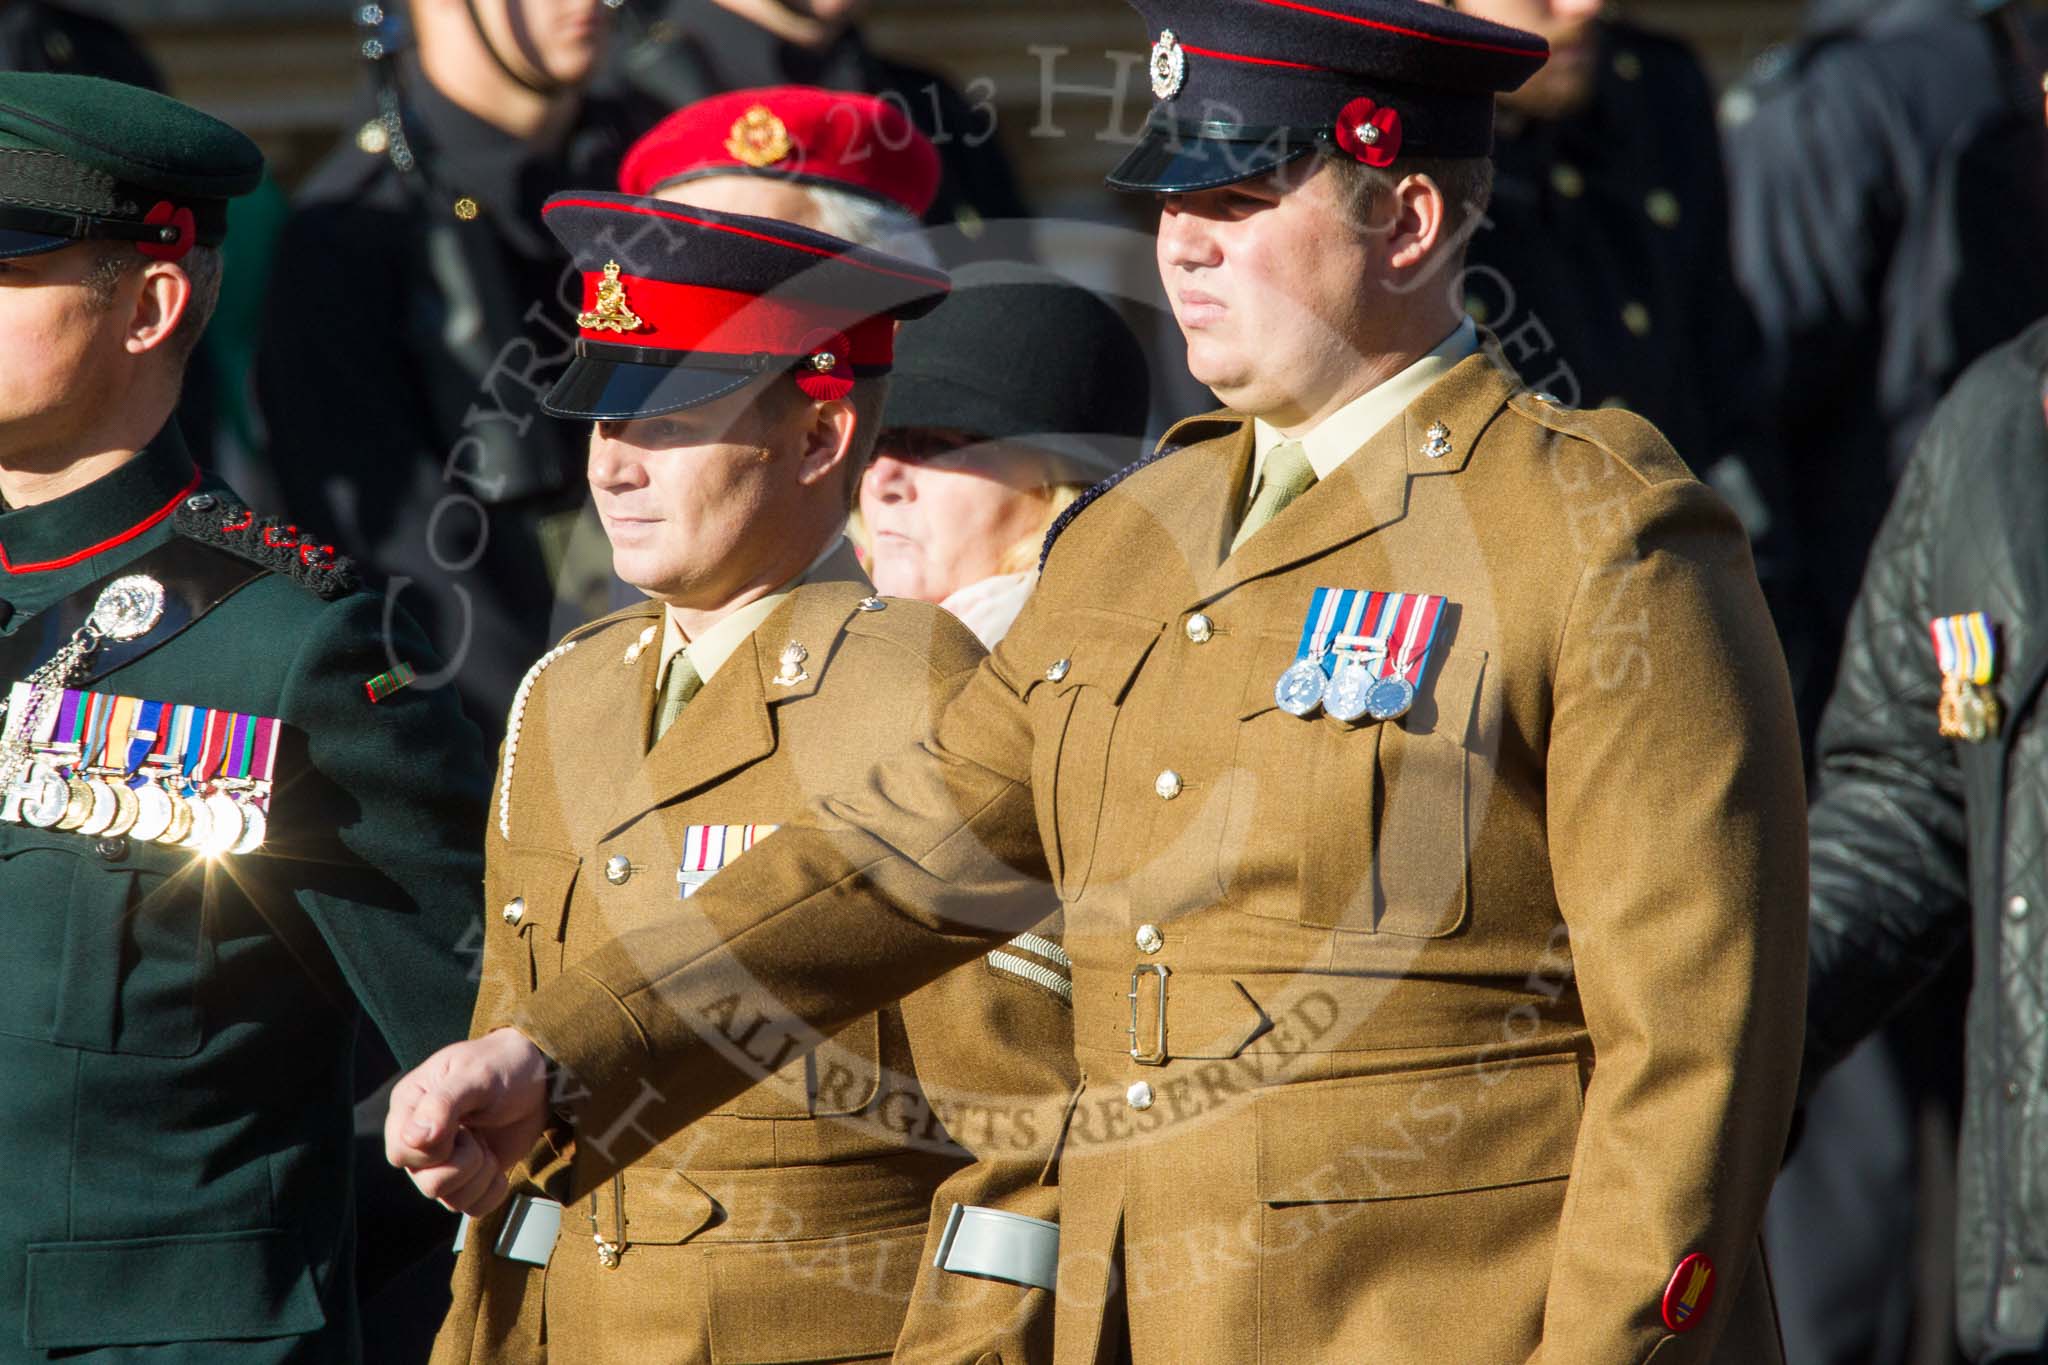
[1168,785]
[1139,1096]
[1150,940]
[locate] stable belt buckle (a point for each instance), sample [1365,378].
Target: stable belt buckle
[1156,1055]
[995,1244]
[531,1224]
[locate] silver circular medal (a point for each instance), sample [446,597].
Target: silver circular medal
[126,808]
[128,607]
[255,825]
[1300,689]
[153,812]
[103,807]
[45,798]
[225,826]
[1346,697]
[1390,699]
[202,822]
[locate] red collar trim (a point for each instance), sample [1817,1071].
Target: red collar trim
[46,565]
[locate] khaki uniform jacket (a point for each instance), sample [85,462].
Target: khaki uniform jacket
[799,1221]
[1456,1034]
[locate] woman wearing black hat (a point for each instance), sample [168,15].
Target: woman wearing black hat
[1006,404]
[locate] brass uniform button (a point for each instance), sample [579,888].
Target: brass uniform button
[466,209]
[1663,208]
[515,911]
[1150,940]
[1201,629]
[1168,786]
[1059,670]
[1139,1096]
[114,849]
[1568,180]
[1636,317]
[617,869]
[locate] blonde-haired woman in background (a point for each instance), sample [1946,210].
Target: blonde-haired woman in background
[1006,403]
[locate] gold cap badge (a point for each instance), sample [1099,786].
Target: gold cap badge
[611,313]
[758,138]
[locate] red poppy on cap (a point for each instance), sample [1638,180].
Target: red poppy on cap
[164,213]
[825,373]
[791,132]
[1370,131]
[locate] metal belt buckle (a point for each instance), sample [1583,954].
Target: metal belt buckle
[1157,1055]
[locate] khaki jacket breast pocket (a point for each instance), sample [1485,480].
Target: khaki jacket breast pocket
[1074,704]
[526,918]
[107,949]
[1378,811]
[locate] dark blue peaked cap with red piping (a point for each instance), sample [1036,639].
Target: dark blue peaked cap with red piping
[1245,86]
[683,305]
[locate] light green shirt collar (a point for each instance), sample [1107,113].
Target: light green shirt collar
[1346,431]
[709,651]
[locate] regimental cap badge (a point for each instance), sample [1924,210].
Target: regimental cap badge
[1169,65]
[792,671]
[758,137]
[612,313]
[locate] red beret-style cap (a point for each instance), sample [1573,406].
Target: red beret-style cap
[791,132]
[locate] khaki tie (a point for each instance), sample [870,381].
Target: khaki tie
[1285,476]
[679,682]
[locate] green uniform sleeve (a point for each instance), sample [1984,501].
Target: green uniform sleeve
[393,798]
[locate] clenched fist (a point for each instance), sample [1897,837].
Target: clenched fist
[461,1119]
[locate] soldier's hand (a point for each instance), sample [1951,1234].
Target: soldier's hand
[462,1118]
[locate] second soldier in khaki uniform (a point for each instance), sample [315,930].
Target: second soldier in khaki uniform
[802,1220]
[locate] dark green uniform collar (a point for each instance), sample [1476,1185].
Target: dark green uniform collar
[102,516]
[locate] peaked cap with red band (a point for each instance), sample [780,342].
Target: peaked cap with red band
[791,132]
[1245,86]
[683,305]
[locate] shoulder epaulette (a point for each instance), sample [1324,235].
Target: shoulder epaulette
[213,519]
[1080,504]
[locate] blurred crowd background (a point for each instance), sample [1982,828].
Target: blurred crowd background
[1780,230]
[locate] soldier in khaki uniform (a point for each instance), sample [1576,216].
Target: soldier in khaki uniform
[1415,762]
[801,1220]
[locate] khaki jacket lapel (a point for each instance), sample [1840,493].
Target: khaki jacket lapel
[728,726]
[1370,490]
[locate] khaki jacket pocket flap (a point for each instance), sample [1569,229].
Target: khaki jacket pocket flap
[827,1298]
[539,881]
[1103,650]
[1418,1132]
[151,1290]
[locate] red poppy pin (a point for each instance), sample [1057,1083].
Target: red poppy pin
[166,214]
[825,373]
[1370,131]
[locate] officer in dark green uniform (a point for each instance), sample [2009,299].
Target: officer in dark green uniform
[228,824]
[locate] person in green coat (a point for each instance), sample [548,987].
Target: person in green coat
[228,826]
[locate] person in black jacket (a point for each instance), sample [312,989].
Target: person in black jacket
[413,325]
[1930,831]
[680,51]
